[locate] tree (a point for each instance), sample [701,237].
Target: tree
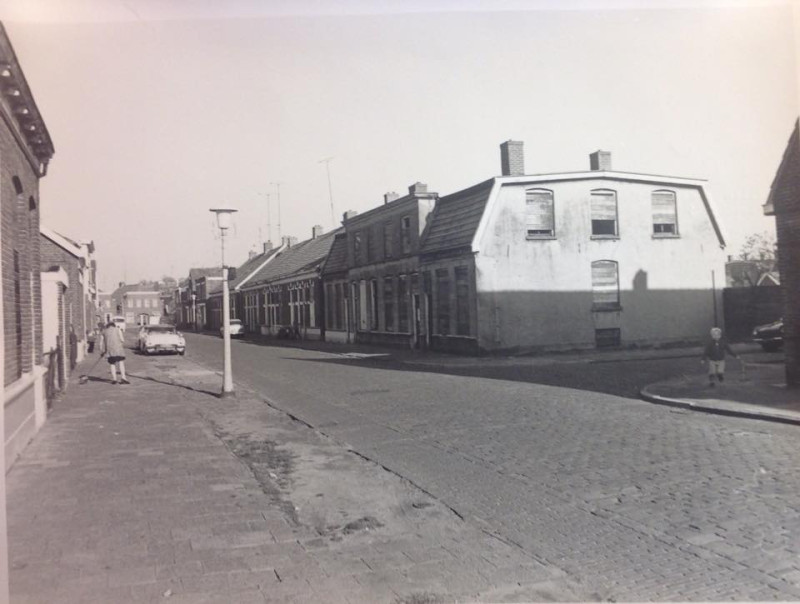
[762,250]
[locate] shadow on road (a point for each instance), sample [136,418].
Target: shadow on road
[175,384]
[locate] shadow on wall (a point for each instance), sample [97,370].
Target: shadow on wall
[517,321]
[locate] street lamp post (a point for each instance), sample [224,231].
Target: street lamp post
[224,217]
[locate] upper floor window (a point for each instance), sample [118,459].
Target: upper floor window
[388,240]
[405,234]
[605,285]
[665,213]
[357,247]
[604,213]
[539,218]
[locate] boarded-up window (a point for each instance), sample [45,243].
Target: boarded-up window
[388,303]
[605,285]
[402,303]
[462,300]
[539,218]
[442,301]
[665,213]
[604,213]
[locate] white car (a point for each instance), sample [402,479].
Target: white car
[160,338]
[237,329]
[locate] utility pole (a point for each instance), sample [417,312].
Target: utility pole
[278,187]
[327,162]
[269,219]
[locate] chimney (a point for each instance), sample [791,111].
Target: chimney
[267,246]
[122,284]
[417,188]
[512,158]
[251,254]
[390,197]
[348,215]
[600,160]
[316,231]
[288,241]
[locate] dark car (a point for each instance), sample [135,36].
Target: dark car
[770,336]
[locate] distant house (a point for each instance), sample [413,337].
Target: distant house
[27,150]
[187,315]
[287,291]
[338,312]
[138,304]
[784,204]
[571,260]
[207,288]
[769,279]
[741,273]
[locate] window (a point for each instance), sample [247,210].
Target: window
[370,243]
[605,285]
[147,302]
[373,306]
[539,219]
[462,300]
[18,312]
[138,302]
[442,301]
[357,247]
[360,294]
[388,303]
[405,234]
[339,306]
[329,308]
[665,214]
[388,240]
[607,338]
[604,213]
[402,303]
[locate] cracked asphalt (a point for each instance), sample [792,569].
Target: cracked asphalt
[638,502]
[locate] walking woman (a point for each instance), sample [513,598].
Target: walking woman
[113,348]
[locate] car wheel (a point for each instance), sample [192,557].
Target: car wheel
[182,352]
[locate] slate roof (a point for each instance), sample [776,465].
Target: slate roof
[456,218]
[251,264]
[337,257]
[213,287]
[304,256]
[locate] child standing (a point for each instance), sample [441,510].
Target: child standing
[715,355]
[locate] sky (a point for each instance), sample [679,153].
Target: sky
[162,109]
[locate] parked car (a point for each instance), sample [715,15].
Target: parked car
[119,322]
[237,329]
[770,336]
[160,338]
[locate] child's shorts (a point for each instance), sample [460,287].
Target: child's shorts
[716,367]
[113,360]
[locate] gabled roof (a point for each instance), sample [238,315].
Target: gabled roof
[131,289]
[787,178]
[65,243]
[772,276]
[213,287]
[252,266]
[337,257]
[305,256]
[456,218]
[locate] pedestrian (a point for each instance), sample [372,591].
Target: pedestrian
[111,345]
[714,354]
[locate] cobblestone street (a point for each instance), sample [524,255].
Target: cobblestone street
[636,501]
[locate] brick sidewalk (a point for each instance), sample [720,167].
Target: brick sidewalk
[130,494]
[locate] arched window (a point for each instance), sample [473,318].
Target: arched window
[604,213]
[665,214]
[605,285]
[539,214]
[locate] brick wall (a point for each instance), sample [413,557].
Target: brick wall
[785,197]
[19,220]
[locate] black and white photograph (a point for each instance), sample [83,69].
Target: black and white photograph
[399,301]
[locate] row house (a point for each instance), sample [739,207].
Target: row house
[285,295]
[207,293]
[187,314]
[784,204]
[26,150]
[527,262]
[372,282]
[238,278]
[67,323]
[138,304]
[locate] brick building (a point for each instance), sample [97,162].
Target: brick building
[26,149]
[784,203]
[138,304]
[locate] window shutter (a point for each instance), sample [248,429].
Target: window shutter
[664,207]
[604,206]
[539,210]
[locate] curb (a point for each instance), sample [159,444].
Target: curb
[691,406]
